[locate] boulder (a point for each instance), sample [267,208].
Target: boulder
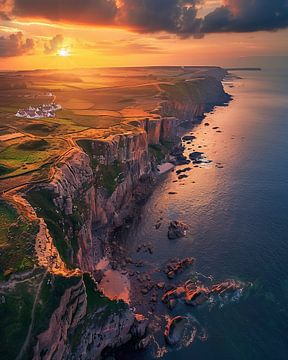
[144,343]
[188,138]
[177,229]
[161,285]
[174,330]
[182,176]
[196,157]
[172,303]
[196,297]
[180,171]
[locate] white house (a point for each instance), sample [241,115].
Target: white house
[42,111]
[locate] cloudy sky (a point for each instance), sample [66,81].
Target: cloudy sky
[88,33]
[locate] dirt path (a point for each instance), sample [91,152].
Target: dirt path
[28,336]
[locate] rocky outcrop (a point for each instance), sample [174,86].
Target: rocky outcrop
[177,229]
[51,344]
[160,129]
[196,294]
[175,329]
[153,129]
[76,332]
[175,266]
[98,334]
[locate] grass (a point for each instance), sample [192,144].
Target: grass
[15,156]
[183,90]
[42,201]
[95,299]
[56,126]
[8,216]
[60,224]
[34,145]
[99,308]
[15,314]
[52,290]
[108,175]
[23,157]
[158,152]
[4,170]
[41,129]
[17,241]
[90,121]
[87,146]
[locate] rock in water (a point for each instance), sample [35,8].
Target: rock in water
[144,343]
[177,229]
[188,138]
[196,157]
[174,330]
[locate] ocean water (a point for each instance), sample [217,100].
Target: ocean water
[238,218]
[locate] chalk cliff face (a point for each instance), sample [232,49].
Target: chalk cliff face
[92,193]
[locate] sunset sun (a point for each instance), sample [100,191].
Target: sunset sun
[63,52]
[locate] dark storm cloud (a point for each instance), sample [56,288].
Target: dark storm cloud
[92,12]
[14,45]
[247,16]
[172,16]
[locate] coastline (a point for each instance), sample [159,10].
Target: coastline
[144,293]
[77,167]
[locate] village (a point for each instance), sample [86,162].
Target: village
[41,111]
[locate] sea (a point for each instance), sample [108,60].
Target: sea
[236,207]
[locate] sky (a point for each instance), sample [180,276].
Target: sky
[67,34]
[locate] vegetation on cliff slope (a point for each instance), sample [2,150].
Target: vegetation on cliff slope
[15,313]
[107,176]
[161,150]
[58,223]
[17,241]
[99,308]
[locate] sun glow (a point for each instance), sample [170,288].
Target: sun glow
[63,52]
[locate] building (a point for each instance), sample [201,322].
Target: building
[42,111]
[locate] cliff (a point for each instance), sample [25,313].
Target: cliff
[85,323]
[92,192]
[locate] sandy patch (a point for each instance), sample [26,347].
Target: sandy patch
[115,286]
[163,168]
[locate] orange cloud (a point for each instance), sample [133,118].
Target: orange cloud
[15,44]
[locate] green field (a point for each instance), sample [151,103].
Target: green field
[28,155]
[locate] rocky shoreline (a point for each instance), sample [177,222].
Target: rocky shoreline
[148,293]
[97,192]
